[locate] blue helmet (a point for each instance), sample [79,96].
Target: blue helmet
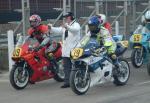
[93,24]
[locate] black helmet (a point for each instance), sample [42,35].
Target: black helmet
[69,14]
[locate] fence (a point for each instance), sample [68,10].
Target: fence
[115,10]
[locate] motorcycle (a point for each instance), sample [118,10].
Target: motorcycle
[140,45]
[92,66]
[32,66]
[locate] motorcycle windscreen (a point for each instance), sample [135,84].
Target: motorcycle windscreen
[91,44]
[83,42]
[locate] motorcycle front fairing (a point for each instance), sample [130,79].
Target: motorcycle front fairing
[145,41]
[22,47]
[88,45]
[140,40]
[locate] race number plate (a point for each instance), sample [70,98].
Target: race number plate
[137,38]
[17,52]
[76,53]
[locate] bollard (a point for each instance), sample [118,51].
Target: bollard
[10,47]
[116,27]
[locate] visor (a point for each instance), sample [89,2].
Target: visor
[92,27]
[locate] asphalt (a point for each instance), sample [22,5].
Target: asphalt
[136,91]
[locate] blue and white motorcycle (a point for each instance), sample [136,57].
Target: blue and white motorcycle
[92,66]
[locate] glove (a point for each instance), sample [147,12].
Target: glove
[50,25]
[98,51]
[36,49]
[102,49]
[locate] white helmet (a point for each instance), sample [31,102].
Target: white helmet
[147,16]
[102,17]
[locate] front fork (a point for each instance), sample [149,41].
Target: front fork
[24,66]
[137,47]
[86,71]
[141,53]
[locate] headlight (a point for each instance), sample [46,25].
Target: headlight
[125,43]
[76,53]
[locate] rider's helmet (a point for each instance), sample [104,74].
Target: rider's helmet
[35,20]
[102,18]
[147,16]
[93,24]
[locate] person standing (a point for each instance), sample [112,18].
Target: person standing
[70,31]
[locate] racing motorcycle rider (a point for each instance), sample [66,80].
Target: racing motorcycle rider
[145,24]
[103,36]
[104,22]
[147,21]
[140,27]
[41,33]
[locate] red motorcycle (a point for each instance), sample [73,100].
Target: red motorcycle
[33,66]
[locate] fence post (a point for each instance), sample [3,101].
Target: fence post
[10,47]
[86,29]
[97,6]
[25,15]
[116,28]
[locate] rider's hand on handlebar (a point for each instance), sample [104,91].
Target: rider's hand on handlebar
[36,49]
[102,49]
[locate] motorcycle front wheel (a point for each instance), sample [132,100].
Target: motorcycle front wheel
[122,73]
[137,57]
[80,83]
[19,77]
